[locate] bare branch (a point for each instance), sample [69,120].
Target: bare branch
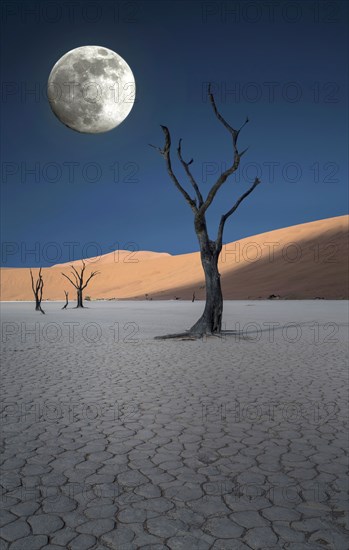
[222,179]
[39,283]
[157,148]
[31,274]
[230,129]
[189,174]
[231,211]
[233,132]
[76,274]
[165,152]
[93,274]
[81,277]
[69,279]
[237,156]
[41,287]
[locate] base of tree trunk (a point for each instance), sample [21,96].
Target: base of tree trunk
[237,334]
[207,326]
[197,336]
[191,335]
[179,335]
[188,336]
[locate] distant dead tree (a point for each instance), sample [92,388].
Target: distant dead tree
[193,298]
[37,290]
[66,300]
[78,282]
[211,320]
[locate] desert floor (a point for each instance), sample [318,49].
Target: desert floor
[115,440]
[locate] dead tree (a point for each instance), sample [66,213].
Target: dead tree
[37,290]
[66,300]
[78,282]
[211,320]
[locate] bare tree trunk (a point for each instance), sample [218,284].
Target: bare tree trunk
[211,320]
[37,290]
[79,298]
[38,306]
[66,300]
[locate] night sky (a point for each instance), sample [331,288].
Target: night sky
[284,64]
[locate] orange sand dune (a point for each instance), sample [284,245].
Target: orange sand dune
[298,262]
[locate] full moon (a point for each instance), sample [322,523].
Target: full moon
[91,89]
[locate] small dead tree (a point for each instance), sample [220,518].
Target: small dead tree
[211,320]
[78,281]
[37,290]
[66,300]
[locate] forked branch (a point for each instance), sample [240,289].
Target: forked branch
[189,174]
[236,155]
[93,274]
[166,153]
[199,206]
[69,279]
[232,210]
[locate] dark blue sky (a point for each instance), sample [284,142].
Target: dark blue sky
[282,63]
